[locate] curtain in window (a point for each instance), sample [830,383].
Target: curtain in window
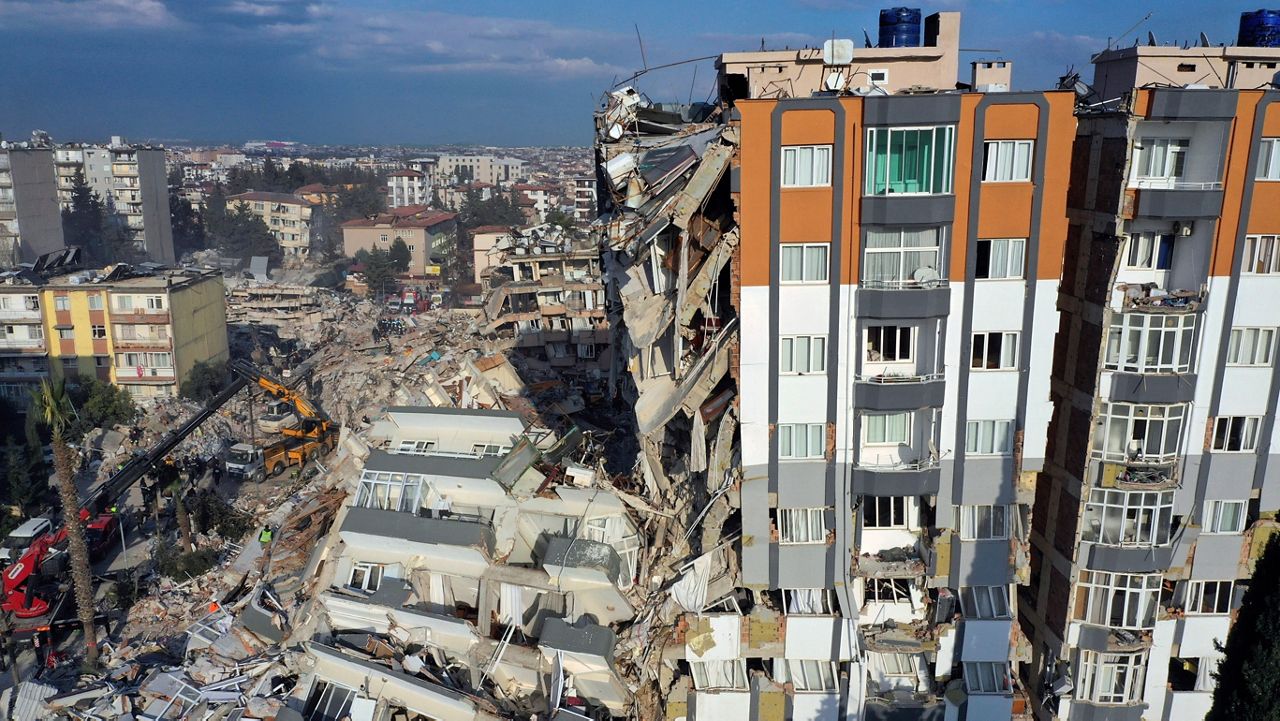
[998,266]
[821,165]
[792,262]
[815,263]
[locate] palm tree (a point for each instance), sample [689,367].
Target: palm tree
[52,406]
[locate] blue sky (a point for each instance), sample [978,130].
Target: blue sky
[499,72]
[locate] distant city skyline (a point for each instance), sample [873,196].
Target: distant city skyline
[390,72]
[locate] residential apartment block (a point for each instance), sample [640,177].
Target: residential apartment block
[428,233]
[547,300]
[142,331]
[30,219]
[584,199]
[408,187]
[1158,492]
[490,169]
[132,181]
[287,216]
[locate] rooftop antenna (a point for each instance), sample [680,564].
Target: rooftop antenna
[643,61]
[1204,40]
[866,38]
[1131,29]
[1151,39]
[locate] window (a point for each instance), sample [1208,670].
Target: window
[888,511]
[1119,600]
[985,602]
[1251,346]
[328,702]
[124,303]
[1128,518]
[886,429]
[1111,678]
[586,351]
[994,351]
[1148,251]
[805,675]
[1260,256]
[989,438]
[1139,433]
[383,237]
[800,440]
[1161,159]
[728,674]
[70,364]
[804,263]
[888,590]
[987,677]
[902,257]
[803,354]
[984,523]
[101,361]
[1000,258]
[1224,517]
[98,332]
[1209,597]
[801,525]
[806,166]
[909,160]
[809,601]
[898,664]
[1006,161]
[1151,343]
[1236,434]
[890,343]
[66,333]
[95,301]
[878,77]
[1269,159]
[389,491]
[366,576]
[487,449]
[61,302]
[155,302]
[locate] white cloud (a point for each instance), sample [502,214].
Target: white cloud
[256,9]
[87,14]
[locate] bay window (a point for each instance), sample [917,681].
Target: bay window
[1128,518]
[910,160]
[1139,433]
[1151,343]
[886,429]
[1118,600]
[1111,678]
[987,677]
[902,257]
[389,491]
[985,602]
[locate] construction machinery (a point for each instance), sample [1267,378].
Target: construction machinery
[313,434]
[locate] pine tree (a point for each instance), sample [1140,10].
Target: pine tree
[1248,677]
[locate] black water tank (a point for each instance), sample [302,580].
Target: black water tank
[1258,29]
[900,28]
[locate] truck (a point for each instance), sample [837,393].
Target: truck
[310,434]
[246,462]
[22,537]
[278,417]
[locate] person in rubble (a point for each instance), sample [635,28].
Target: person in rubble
[264,537]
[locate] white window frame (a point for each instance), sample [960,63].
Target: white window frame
[416,447]
[899,333]
[735,680]
[815,676]
[944,139]
[1128,519]
[1134,596]
[403,491]
[803,601]
[1014,263]
[985,522]
[806,267]
[887,590]
[1251,347]
[1143,251]
[909,258]
[819,166]
[884,77]
[987,677]
[1217,518]
[1151,343]
[982,347]
[888,512]
[1111,678]
[1268,159]
[985,602]
[898,664]
[1161,426]
[877,425]
[371,576]
[788,448]
[1007,161]
[1261,255]
[1160,162]
[1236,434]
[988,438]
[1217,595]
[325,706]
[802,354]
[802,526]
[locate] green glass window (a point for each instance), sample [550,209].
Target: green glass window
[910,160]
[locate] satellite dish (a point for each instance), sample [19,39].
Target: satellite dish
[925,276]
[837,52]
[835,80]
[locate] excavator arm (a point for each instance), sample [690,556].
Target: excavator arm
[315,422]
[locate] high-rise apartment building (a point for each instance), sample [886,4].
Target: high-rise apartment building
[494,170]
[1159,488]
[30,221]
[133,183]
[287,216]
[408,187]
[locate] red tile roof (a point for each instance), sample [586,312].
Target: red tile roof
[491,229]
[423,219]
[256,195]
[405,174]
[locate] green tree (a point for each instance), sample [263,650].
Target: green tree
[562,219]
[204,381]
[496,210]
[25,489]
[101,405]
[326,233]
[52,406]
[1249,675]
[380,273]
[401,258]
[359,202]
[174,177]
[238,233]
[188,226]
[90,225]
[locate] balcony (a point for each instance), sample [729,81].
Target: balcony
[902,390]
[23,370]
[413,534]
[140,316]
[903,300]
[144,375]
[1150,298]
[1137,476]
[144,344]
[20,315]
[21,344]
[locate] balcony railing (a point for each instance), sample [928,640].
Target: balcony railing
[21,342]
[12,314]
[1175,184]
[922,464]
[907,284]
[1146,297]
[893,378]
